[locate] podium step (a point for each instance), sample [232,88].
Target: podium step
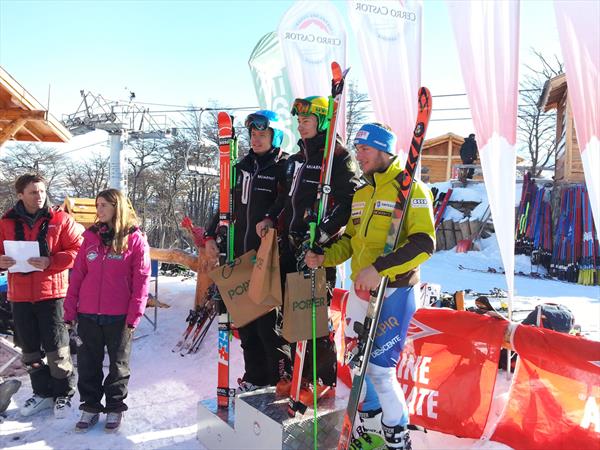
[259,420]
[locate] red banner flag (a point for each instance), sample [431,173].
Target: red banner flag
[554,402]
[448,370]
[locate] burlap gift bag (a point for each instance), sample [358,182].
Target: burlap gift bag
[297,306]
[265,282]
[233,280]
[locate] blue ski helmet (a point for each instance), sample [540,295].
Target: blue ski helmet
[263,119]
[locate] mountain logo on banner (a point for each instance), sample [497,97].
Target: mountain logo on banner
[418,330]
[313,36]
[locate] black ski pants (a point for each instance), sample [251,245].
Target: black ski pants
[266,354]
[40,331]
[326,350]
[96,333]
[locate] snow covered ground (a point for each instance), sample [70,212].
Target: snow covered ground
[166,387]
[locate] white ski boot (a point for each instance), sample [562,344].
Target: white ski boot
[396,437]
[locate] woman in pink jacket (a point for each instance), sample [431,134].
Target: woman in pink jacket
[107,295]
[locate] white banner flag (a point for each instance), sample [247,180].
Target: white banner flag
[389,40]
[272,85]
[487,36]
[312,36]
[580,42]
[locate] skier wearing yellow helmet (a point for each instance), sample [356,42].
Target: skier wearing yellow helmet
[303,171]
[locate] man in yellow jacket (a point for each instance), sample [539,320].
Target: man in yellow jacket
[384,406]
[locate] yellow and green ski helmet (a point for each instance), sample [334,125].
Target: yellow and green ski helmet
[315,105]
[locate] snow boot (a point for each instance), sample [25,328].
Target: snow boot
[62,407]
[113,421]
[7,390]
[396,437]
[87,421]
[36,404]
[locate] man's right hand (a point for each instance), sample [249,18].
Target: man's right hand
[263,226]
[212,250]
[313,260]
[6,262]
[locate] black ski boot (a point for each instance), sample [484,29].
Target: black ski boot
[396,437]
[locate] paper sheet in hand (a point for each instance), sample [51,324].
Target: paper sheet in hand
[21,251]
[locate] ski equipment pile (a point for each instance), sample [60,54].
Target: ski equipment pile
[366,333]
[533,231]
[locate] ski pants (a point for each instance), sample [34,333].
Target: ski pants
[326,350]
[97,332]
[382,387]
[266,354]
[41,331]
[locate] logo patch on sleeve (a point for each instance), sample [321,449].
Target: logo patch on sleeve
[419,203]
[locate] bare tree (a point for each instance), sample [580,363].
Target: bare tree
[87,177]
[537,129]
[356,106]
[46,161]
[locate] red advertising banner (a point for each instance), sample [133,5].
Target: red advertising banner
[448,370]
[554,402]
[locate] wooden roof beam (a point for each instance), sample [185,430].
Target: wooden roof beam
[18,113]
[34,136]
[11,129]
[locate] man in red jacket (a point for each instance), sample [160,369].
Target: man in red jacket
[37,296]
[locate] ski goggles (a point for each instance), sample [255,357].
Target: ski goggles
[261,123]
[302,107]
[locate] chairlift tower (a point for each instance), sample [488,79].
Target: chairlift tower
[123,121]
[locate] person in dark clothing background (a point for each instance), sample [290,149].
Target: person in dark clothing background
[259,191]
[303,170]
[468,153]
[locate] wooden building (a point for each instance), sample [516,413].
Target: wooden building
[568,165]
[439,155]
[23,118]
[83,210]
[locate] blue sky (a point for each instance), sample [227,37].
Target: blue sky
[195,51]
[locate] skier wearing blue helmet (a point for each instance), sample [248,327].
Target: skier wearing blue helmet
[265,119]
[259,186]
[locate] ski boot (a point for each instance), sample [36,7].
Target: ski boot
[369,422]
[396,437]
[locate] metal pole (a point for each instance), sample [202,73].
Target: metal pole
[118,172]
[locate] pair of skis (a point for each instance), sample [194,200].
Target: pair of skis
[199,322]
[359,358]
[228,153]
[321,202]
